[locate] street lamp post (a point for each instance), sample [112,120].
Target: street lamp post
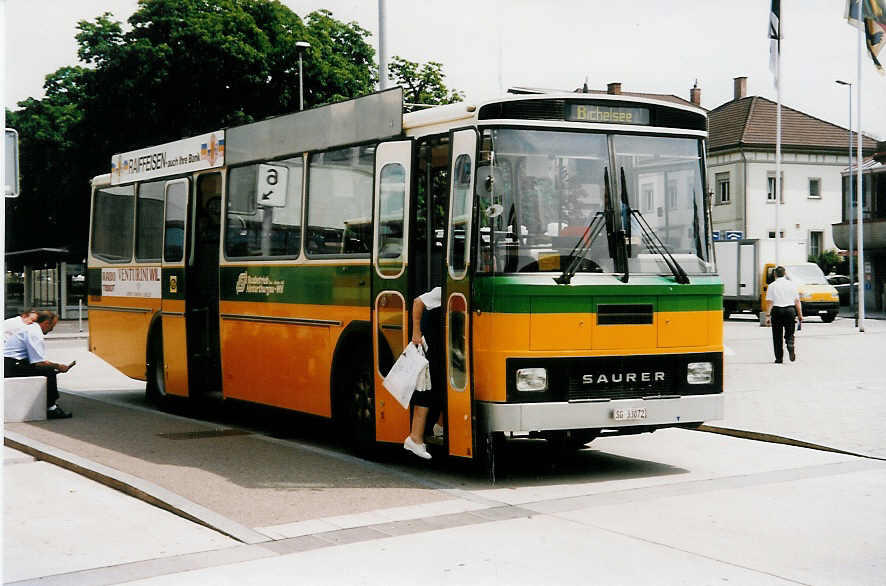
[301,46]
[849,185]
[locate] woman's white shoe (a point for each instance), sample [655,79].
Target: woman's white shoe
[418,449]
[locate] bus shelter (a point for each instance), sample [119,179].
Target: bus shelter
[46,278]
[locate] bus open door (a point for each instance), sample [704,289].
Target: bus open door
[168,364]
[457,295]
[390,279]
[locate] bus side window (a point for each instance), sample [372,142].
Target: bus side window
[340,202]
[459,234]
[255,230]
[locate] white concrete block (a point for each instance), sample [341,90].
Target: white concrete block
[24,399]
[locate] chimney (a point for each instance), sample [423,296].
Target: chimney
[614,88]
[695,94]
[741,87]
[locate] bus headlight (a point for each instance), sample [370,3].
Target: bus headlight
[532,379]
[699,373]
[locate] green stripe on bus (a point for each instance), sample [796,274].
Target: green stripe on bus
[515,294]
[306,284]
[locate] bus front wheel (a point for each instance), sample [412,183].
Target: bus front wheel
[356,409]
[564,442]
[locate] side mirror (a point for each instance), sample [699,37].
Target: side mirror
[10,167]
[489,179]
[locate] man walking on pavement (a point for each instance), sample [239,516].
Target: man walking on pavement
[24,354]
[782,308]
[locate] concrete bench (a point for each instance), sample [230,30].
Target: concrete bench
[24,399]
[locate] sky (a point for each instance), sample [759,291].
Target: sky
[487,46]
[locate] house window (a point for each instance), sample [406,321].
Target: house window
[672,195]
[770,188]
[814,188]
[648,198]
[723,196]
[816,238]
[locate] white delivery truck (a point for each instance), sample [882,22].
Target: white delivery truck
[746,268]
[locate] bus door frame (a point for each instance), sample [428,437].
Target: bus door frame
[457,300]
[390,292]
[173,286]
[201,348]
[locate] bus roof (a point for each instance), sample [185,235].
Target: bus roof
[421,121]
[377,116]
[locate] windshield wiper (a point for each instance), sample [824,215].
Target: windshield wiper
[592,230]
[650,238]
[624,251]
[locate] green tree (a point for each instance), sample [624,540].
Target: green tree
[51,164]
[182,68]
[827,260]
[422,83]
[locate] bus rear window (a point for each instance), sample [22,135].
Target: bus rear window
[112,218]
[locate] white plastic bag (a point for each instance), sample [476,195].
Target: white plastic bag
[403,376]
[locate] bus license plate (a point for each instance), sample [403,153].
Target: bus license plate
[628,414]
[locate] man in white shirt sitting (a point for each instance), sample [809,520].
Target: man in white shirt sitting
[24,354]
[16,323]
[782,308]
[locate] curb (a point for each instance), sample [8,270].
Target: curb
[135,487]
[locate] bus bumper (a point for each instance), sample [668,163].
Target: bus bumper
[649,413]
[818,307]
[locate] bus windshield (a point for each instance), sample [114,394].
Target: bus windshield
[545,196]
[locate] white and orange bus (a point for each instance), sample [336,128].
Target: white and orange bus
[276,263]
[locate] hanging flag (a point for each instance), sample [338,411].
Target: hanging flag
[774,38]
[872,22]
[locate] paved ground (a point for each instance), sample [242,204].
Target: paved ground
[833,395]
[692,507]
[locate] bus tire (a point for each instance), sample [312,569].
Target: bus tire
[355,398]
[828,317]
[155,389]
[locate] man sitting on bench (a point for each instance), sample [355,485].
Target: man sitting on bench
[14,324]
[25,355]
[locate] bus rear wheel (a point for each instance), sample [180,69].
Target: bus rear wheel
[155,389]
[828,317]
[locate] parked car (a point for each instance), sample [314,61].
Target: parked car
[841,283]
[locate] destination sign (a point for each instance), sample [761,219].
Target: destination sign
[606,114]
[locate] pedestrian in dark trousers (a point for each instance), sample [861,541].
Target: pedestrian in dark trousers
[24,354]
[782,309]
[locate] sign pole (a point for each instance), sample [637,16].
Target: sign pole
[858,185]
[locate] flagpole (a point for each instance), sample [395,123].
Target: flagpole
[778,135]
[858,165]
